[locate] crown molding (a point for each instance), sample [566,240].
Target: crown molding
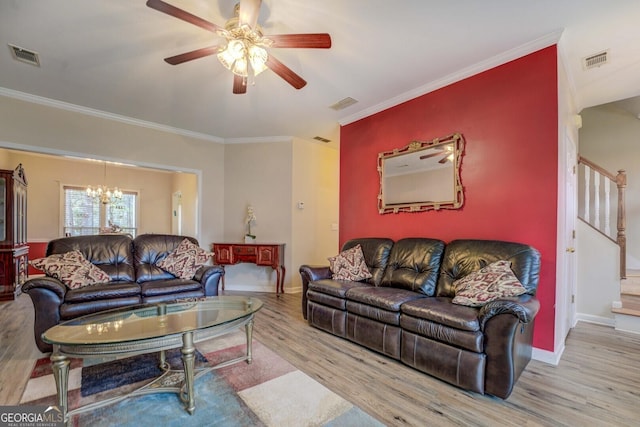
[22,96]
[258,139]
[504,57]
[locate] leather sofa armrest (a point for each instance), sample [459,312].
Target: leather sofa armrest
[47,295]
[310,273]
[508,328]
[524,307]
[209,276]
[49,283]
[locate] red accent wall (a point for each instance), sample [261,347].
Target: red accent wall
[36,250]
[509,118]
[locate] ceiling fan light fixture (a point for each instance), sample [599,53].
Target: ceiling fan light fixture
[240,55]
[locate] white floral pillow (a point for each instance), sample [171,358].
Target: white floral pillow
[72,269]
[185,260]
[494,281]
[349,265]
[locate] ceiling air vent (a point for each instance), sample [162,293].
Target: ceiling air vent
[343,103]
[24,55]
[321,139]
[596,60]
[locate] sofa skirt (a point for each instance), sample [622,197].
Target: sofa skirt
[454,365]
[377,336]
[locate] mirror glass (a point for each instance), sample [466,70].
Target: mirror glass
[424,175]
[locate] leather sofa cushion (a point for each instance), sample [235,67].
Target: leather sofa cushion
[442,311]
[169,286]
[326,299]
[149,250]
[389,299]
[374,313]
[469,340]
[336,288]
[102,291]
[178,296]
[376,255]
[71,311]
[414,264]
[112,253]
[462,257]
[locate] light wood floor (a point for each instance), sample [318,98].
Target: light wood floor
[597,382]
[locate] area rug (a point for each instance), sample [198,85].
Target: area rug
[268,392]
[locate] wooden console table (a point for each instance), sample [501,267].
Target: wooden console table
[263,254]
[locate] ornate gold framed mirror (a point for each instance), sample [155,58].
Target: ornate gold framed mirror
[424,175]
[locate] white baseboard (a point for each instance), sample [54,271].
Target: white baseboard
[598,320]
[545,356]
[260,287]
[626,323]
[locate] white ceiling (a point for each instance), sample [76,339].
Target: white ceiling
[107,56]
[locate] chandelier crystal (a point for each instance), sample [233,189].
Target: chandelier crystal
[102,193]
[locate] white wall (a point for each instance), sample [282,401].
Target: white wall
[258,174]
[187,185]
[39,128]
[316,176]
[610,137]
[598,277]
[274,178]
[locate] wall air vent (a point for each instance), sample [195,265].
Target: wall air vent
[24,55]
[321,139]
[343,103]
[594,61]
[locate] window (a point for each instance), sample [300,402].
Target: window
[85,216]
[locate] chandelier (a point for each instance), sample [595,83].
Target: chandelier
[102,193]
[244,54]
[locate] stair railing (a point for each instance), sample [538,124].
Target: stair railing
[597,183]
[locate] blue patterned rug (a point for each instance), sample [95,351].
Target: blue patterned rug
[268,392]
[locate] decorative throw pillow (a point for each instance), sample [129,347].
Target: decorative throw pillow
[494,281]
[72,269]
[185,260]
[349,265]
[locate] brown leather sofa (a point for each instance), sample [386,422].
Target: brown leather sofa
[135,279]
[405,311]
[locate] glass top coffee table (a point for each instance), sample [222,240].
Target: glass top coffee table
[146,329]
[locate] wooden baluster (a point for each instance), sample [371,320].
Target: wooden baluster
[596,200]
[607,206]
[587,208]
[621,182]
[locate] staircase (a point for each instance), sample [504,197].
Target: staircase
[599,205]
[627,310]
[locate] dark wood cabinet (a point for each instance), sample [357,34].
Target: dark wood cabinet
[266,254]
[14,250]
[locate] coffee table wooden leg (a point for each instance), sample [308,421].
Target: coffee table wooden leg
[60,367]
[188,360]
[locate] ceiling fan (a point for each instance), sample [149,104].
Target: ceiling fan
[448,154]
[244,50]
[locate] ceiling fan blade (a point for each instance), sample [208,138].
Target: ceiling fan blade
[444,160]
[311,41]
[249,10]
[427,156]
[194,54]
[164,7]
[285,72]
[239,84]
